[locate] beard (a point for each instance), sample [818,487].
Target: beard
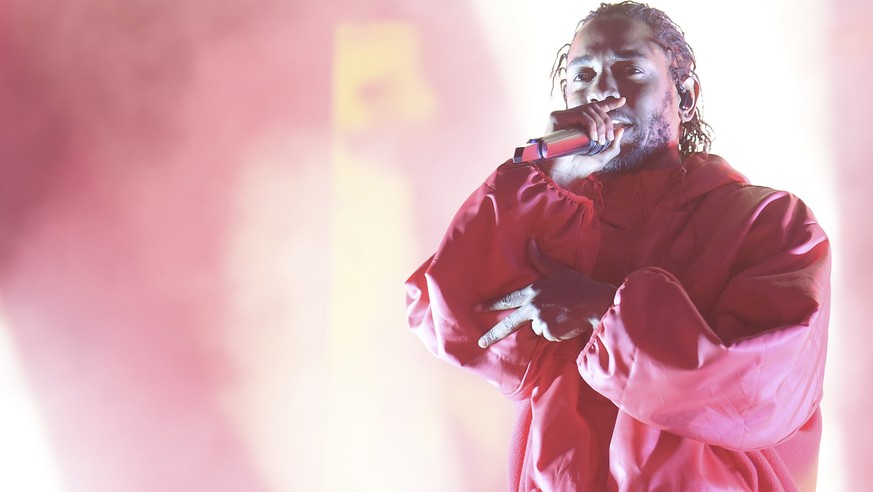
[635,155]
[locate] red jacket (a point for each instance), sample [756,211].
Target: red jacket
[705,374]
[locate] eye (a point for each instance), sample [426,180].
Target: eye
[629,70]
[584,75]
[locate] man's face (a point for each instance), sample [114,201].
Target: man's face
[618,57]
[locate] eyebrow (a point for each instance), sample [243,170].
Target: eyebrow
[626,55]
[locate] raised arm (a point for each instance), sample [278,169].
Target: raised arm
[483,256]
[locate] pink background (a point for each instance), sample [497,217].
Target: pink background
[208,209]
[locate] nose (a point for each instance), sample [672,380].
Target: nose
[604,86]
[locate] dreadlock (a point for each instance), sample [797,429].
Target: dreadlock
[696,134]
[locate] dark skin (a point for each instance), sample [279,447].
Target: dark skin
[619,89]
[562,305]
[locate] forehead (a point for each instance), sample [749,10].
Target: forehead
[616,36]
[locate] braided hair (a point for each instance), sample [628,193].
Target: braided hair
[696,134]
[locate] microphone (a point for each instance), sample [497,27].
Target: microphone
[557,144]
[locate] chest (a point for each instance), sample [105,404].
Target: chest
[697,243]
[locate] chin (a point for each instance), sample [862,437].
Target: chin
[627,161]
[633,158]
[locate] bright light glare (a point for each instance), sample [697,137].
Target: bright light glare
[26,462]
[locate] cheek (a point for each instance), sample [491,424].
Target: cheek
[575,98]
[659,102]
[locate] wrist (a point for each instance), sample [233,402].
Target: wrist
[562,170]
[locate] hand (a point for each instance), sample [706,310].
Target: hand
[594,119]
[562,305]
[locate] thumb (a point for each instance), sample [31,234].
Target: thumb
[541,262]
[614,148]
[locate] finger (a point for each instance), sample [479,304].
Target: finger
[512,300]
[616,144]
[589,122]
[507,326]
[572,334]
[611,103]
[541,262]
[606,125]
[553,337]
[614,147]
[538,326]
[596,119]
[614,104]
[547,334]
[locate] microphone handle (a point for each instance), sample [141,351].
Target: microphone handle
[557,144]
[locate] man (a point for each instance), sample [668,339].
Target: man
[661,323]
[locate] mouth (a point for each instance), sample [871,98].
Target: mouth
[620,124]
[619,121]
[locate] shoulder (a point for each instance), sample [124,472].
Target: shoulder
[722,187]
[759,220]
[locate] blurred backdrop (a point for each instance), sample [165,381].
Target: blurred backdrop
[208,209]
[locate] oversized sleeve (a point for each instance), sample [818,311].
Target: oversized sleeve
[484,256]
[745,373]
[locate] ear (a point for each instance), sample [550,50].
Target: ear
[689,95]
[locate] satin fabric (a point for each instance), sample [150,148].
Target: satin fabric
[705,374]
